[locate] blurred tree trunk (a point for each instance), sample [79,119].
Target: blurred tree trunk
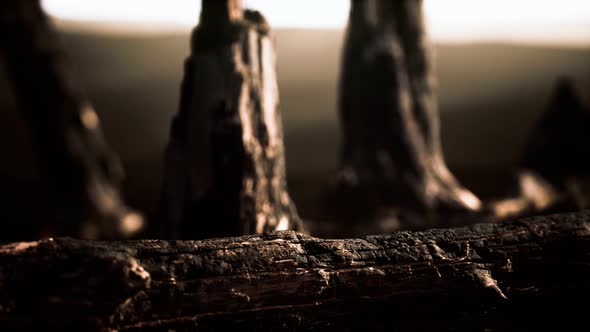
[558,148]
[388,108]
[554,174]
[73,155]
[225,160]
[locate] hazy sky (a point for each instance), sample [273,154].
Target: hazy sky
[554,21]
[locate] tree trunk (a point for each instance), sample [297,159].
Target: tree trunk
[225,160]
[525,273]
[558,148]
[554,174]
[392,147]
[67,139]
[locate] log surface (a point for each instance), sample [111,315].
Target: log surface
[481,276]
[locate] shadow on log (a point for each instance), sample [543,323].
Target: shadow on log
[530,273]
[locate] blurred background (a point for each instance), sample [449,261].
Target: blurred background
[497,63]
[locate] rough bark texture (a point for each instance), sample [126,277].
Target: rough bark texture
[392,148]
[74,157]
[225,160]
[512,275]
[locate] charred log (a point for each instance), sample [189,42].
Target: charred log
[225,160]
[73,155]
[510,275]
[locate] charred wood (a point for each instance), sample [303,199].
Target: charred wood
[225,160]
[509,275]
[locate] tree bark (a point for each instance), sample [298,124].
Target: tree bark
[225,160]
[388,107]
[525,273]
[77,162]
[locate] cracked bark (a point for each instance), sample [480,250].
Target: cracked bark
[225,160]
[524,273]
[74,157]
[391,132]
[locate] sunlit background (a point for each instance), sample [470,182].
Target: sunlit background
[536,21]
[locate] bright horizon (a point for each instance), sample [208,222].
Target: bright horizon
[532,21]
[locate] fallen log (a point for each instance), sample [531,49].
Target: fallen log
[514,274]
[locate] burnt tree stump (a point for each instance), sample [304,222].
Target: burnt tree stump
[225,160]
[512,275]
[554,173]
[391,152]
[74,157]
[558,147]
